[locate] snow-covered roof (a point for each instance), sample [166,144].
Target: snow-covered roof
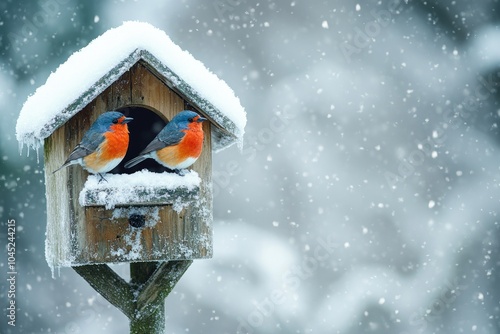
[88,72]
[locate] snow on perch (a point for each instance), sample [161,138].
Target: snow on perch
[143,216]
[88,72]
[140,187]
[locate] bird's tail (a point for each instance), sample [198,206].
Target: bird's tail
[66,164]
[135,161]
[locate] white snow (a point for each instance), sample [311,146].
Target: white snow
[78,80]
[133,240]
[141,187]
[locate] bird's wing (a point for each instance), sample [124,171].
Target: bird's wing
[90,142]
[169,136]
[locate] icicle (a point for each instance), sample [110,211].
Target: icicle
[21,146]
[31,143]
[37,146]
[240,143]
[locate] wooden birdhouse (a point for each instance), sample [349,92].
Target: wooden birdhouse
[143,214]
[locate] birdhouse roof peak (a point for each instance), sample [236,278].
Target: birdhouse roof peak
[89,71]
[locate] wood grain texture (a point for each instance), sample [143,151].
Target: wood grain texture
[111,286]
[96,235]
[141,300]
[159,285]
[149,92]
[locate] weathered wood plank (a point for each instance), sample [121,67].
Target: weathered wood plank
[166,235]
[154,196]
[111,286]
[154,322]
[159,286]
[148,91]
[201,211]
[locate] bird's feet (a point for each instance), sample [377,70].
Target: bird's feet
[101,178]
[182,172]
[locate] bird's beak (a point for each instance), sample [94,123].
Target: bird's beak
[201,119]
[127,119]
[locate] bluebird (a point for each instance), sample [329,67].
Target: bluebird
[178,145]
[103,146]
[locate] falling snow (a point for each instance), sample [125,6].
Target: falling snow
[364,199]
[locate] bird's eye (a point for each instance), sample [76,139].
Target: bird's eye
[191,119]
[115,121]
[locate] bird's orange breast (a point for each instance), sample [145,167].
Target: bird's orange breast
[190,146]
[110,152]
[116,144]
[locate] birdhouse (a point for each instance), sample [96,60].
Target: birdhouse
[146,213]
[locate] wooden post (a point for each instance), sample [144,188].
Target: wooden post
[143,299]
[140,272]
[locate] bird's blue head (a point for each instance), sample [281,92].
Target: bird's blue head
[186,117]
[110,118]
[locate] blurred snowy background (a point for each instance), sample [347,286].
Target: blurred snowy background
[365,199]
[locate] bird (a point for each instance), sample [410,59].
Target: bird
[103,146]
[178,145]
